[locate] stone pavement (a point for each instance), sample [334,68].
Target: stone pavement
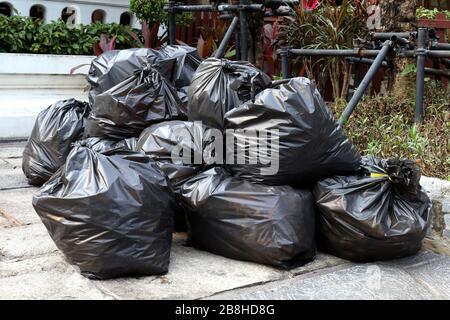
[31,267]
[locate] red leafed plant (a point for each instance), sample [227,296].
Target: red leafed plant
[310,4]
[150,38]
[104,45]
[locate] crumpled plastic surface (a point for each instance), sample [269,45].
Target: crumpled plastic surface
[379,213]
[111,215]
[144,98]
[109,146]
[55,129]
[187,62]
[113,67]
[180,149]
[305,142]
[222,85]
[253,222]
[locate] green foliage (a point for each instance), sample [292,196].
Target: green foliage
[328,27]
[410,69]
[153,11]
[422,12]
[27,35]
[383,126]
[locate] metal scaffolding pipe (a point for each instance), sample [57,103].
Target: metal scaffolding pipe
[428,71]
[429,53]
[384,64]
[440,46]
[172,25]
[219,8]
[389,35]
[226,38]
[359,92]
[334,52]
[284,53]
[420,75]
[244,32]
[437,72]
[445,62]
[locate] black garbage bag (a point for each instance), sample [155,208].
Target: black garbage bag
[113,67]
[55,129]
[287,136]
[144,98]
[188,60]
[246,221]
[111,215]
[109,146]
[377,214]
[181,149]
[221,85]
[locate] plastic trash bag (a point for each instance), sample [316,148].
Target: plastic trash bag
[55,129]
[109,145]
[111,215]
[113,67]
[377,214]
[179,149]
[144,98]
[221,85]
[287,137]
[188,60]
[253,222]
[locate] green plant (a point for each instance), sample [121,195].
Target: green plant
[210,38]
[383,126]
[153,12]
[328,27]
[27,35]
[422,12]
[410,69]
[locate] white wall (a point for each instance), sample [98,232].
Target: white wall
[54,8]
[31,82]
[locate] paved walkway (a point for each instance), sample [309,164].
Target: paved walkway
[32,268]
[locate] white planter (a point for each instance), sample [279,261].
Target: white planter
[31,82]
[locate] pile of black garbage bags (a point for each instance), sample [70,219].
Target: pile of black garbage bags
[252,170]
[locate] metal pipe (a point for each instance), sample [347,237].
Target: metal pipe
[440,46]
[445,62]
[420,75]
[429,53]
[237,42]
[214,8]
[172,24]
[429,71]
[244,32]
[437,72]
[284,53]
[389,35]
[334,52]
[226,38]
[384,64]
[359,92]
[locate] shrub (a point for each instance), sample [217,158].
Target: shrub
[383,126]
[28,35]
[153,12]
[328,27]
